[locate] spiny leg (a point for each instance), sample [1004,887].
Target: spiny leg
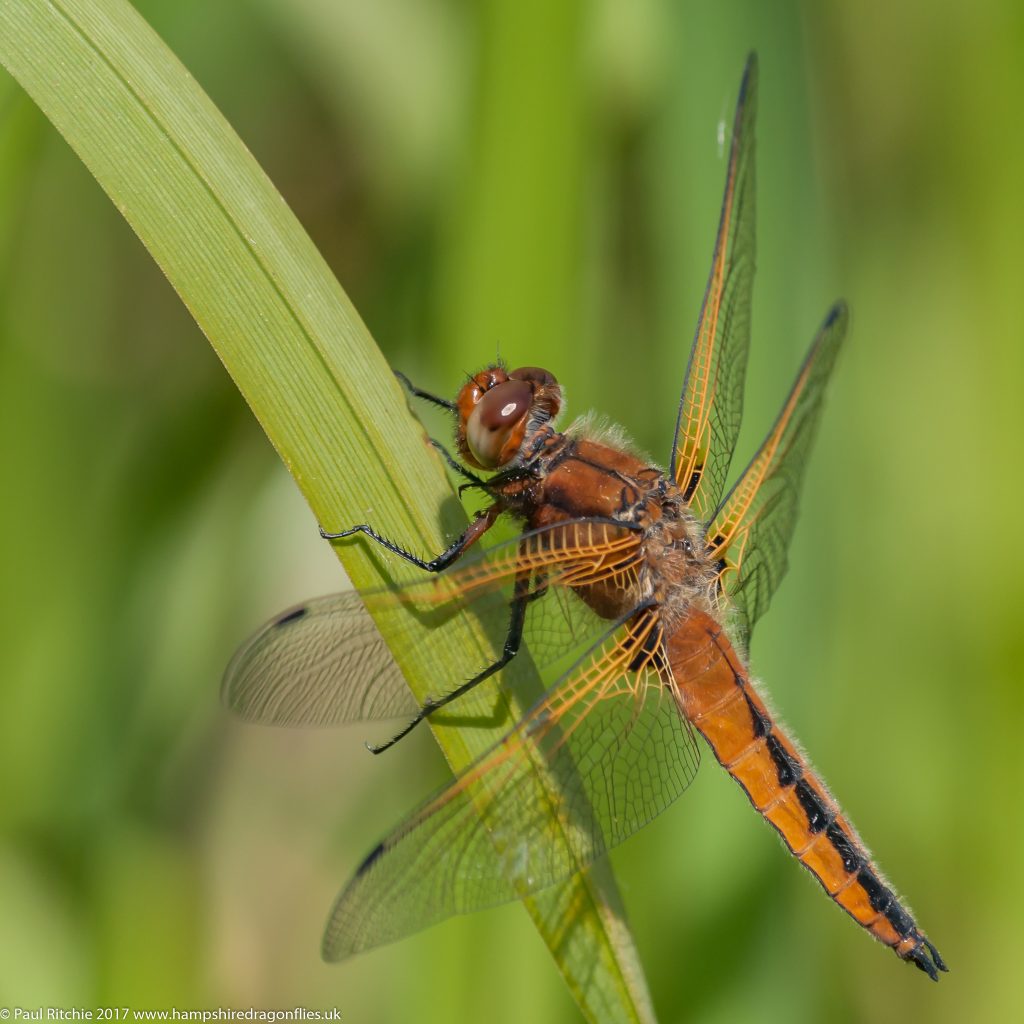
[452,553]
[427,396]
[444,403]
[474,480]
[522,596]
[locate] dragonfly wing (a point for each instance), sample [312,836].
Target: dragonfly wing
[711,406]
[325,663]
[321,663]
[599,756]
[751,530]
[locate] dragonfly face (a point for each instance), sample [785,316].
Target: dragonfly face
[499,414]
[646,582]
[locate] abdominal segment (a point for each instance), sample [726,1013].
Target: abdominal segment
[716,694]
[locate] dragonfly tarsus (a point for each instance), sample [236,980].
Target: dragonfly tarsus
[444,403]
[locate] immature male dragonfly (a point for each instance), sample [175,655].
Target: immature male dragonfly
[653,579]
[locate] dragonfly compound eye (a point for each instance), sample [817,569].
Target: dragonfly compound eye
[496,426]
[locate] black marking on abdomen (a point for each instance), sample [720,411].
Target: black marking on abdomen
[762,724]
[789,769]
[878,894]
[818,815]
[900,920]
[843,845]
[295,613]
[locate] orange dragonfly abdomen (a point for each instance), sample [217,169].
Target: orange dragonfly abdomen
[718,697]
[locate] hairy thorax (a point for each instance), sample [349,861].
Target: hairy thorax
[572,478]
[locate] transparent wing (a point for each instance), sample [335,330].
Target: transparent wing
[320,663]
[751,530]
[325,663]
[711,406]
[599,756]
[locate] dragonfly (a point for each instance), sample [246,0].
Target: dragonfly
[632,591]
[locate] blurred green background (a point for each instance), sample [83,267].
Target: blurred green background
[543,179]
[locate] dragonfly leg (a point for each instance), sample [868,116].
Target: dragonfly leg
[427,396]
[444,403]
[455,550]
[474,480]
[513,639]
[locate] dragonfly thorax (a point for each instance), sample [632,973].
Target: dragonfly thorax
[677,562]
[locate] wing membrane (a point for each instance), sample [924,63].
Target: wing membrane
[599,756]
[752,529]
[711,406]
[320,663]
[325,663]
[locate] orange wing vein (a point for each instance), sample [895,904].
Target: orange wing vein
[711,406]
[751,530]
[601,754]
[325,663]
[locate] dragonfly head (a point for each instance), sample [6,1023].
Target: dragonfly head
[500,410]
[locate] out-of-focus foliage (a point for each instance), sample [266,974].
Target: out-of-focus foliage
[478,188]
[308,368]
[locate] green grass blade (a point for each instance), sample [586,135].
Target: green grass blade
[295,347]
